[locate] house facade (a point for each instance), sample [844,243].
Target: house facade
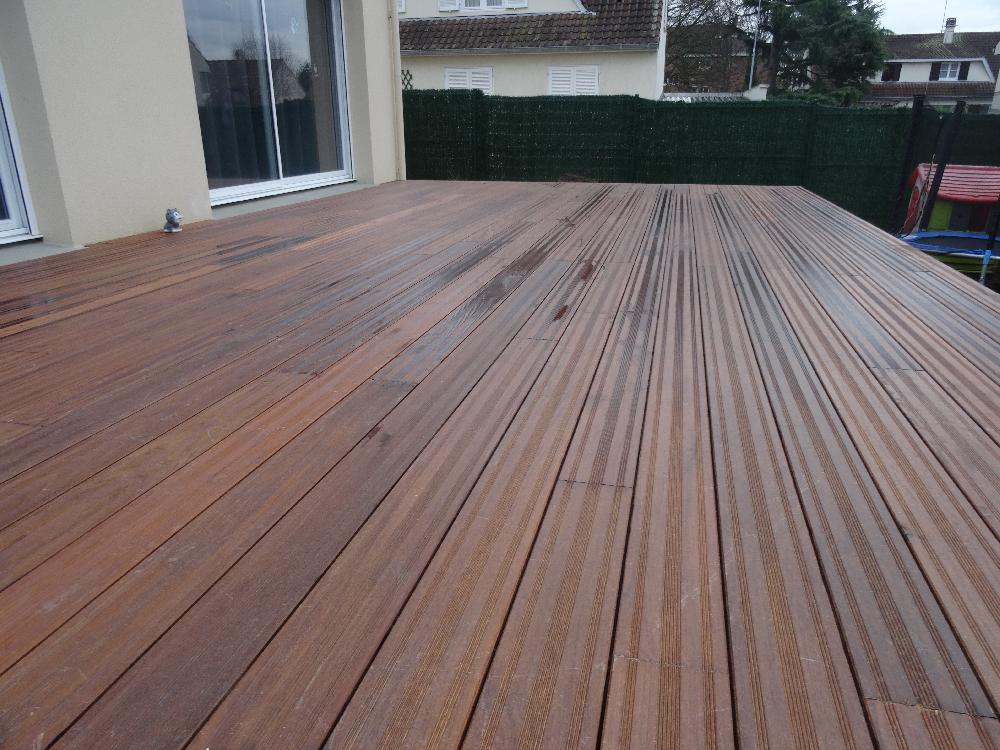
[534,47]
[115,110]
[945,67]
[709,59]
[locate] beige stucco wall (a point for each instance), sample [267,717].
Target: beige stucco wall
[104,108]
[103,102]
[527,74]
[375,105]
[920,72]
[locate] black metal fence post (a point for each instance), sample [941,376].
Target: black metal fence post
[898,210]
[949,134]
[988,252]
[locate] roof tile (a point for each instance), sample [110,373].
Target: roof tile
[965,45]
[606,23]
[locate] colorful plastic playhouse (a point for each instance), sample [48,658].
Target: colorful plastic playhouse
[961,215]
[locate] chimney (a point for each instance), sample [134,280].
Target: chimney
[949,30]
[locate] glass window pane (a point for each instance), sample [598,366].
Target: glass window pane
[303,69]
[4,213]
[229,64]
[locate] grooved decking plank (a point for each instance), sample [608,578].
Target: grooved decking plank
[964,450]
[55,283]
[106,491]
[790,673]
[356,484]
[295,320]
[552,657]
[436,464]
[215,472]
[904,726]
[900,643]
[942,343]
[423,683]
[960,293]
[669,681]
[956,550]
[950,303]
[337,629]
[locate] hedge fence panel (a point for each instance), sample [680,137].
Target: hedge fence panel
[855,159]
[852,157]
[741,143]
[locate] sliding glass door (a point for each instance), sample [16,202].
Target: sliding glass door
[269,79]
[14,211]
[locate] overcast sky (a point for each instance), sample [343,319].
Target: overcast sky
[915,16]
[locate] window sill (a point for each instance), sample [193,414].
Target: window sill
[22,237]
[226,196]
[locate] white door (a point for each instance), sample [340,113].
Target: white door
[14,214]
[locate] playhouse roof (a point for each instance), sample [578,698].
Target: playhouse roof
[963,183]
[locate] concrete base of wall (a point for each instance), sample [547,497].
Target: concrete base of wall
[18,252]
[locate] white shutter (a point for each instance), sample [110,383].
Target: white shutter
[472,4]
[517,3]
[469,78]
[573,80]
[586,80]
[494,3]
[482,79]
[560,81]
[456,78]
[448,4]
[401,6]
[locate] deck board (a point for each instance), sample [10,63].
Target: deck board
[495,464]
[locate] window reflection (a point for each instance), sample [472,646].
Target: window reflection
[265,116]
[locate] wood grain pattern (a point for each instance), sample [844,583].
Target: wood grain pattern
[501,464]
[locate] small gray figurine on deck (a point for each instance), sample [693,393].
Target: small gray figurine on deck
[173,220]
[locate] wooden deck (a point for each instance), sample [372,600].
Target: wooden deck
[441,464]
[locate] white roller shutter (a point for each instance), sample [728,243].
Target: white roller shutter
[574,80]
[560,81]
[469,78]
[448,4]
[586,80]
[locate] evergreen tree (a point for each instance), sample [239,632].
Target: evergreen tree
[830,47]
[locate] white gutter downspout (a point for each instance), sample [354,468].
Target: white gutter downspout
[661,54]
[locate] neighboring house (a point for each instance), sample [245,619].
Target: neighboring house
[112,111]
[708,59]
[945,67]
[534,47]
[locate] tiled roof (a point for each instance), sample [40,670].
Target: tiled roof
[606,23]
[964,45]
[933,89]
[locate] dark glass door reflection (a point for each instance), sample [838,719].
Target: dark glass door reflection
[267,86]
[305,89]
[229,63]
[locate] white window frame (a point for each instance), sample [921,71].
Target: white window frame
[469,72]
[21,224]
[951,66]
[574,71]
[250,191]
